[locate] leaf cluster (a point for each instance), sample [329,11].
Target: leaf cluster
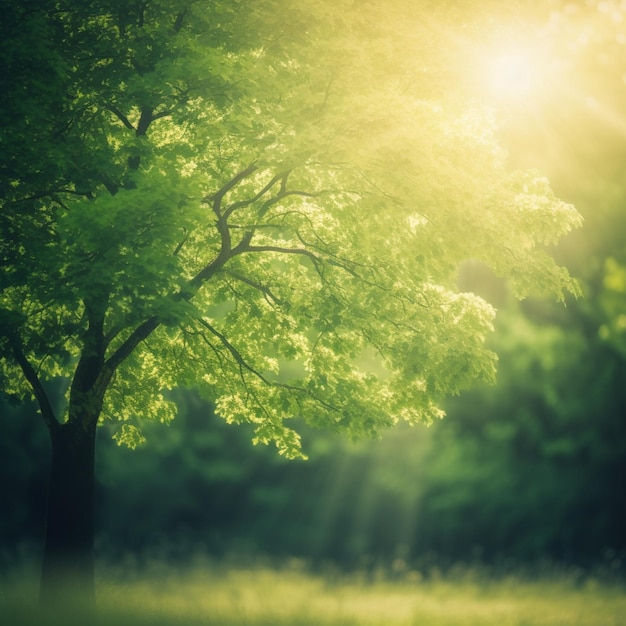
[244,198]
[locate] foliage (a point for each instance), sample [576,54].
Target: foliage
[532,469]
[534,466]
[244,198]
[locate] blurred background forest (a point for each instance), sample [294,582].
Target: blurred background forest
[528,471]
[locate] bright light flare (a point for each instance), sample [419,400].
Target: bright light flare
[511,74]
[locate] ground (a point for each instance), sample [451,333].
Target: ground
[217,595]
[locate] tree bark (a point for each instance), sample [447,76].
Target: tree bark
[68,576]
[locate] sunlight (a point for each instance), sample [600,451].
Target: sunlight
[512,68]
[511,74]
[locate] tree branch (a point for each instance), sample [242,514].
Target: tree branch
[216,198]
[51,194]
[182,242]
[258,286]
[280,250]
[283,194]
[160,114]
[145,120]
[142,332]
[31,376]
[233,351]
[226,251]
[208,271]
[180,18]
[334,260]
[242,363]
[317,261]
[242,203]
[110,185]
[120,116]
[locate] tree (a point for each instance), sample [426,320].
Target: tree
[244,198]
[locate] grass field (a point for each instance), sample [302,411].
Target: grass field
[216,596]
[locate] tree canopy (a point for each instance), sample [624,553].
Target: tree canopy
[265,201]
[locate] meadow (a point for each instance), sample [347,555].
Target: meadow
[291,596]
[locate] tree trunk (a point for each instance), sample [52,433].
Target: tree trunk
[68,576]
